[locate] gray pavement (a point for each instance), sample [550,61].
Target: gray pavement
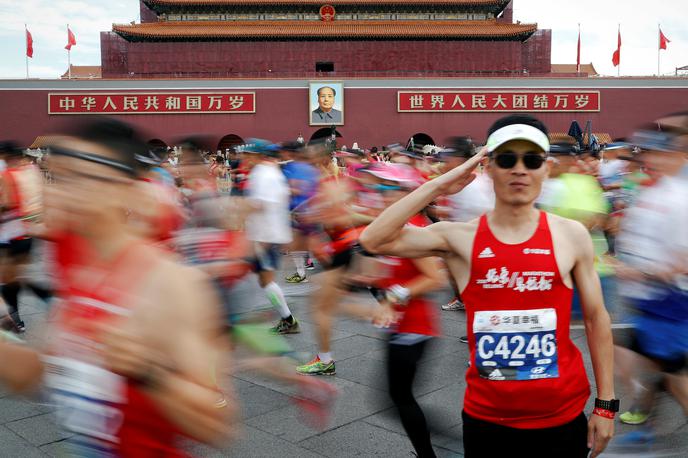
[363,423]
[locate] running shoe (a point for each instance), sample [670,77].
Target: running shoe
[634,418]
[8,324]
[316,367]
[286,327]
[310,265]
[296,278]
[454,305]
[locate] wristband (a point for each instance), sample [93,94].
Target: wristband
[397,294]
[603,413]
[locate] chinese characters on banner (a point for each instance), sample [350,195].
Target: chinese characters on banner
[151,103]
[494,101]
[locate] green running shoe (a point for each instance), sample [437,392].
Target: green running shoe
[316,367]
[296,278]
[634,418]
[286,327]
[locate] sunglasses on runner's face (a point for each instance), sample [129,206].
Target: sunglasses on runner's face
[508,160]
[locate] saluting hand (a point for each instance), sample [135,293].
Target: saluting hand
[459,177]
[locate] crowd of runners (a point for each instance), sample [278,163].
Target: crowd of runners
[146,248]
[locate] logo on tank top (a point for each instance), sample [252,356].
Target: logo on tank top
[517,281]
[486,253]
[536,251]
[496,375]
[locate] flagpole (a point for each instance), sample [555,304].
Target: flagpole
[69,57]
[578,69]
[659,46]
[26,54]
[618,67]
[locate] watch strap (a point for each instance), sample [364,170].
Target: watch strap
[612,405]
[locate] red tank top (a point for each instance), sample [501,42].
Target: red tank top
[419,316]
[525,371]
[108,413]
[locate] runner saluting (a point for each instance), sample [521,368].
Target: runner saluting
[515,268]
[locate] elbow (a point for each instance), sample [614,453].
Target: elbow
[369,243]
[598,319]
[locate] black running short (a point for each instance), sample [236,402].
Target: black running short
[483,439]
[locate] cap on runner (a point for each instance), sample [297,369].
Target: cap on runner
[517,132]
[261,146]
[403,174]
[650,140]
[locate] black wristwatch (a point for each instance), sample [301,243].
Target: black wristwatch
[612,405]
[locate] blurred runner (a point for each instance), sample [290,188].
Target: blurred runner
[303,179]
[526,387]
[21,203]
[653,254]
[333,209]
[404,307]
[268,224]
[133,338]
[213,242]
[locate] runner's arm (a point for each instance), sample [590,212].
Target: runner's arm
[21,369]
[596,318]
[599,334]
[430,279]
[387,234]
[188,395]
[178,373]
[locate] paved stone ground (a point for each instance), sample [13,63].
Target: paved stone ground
[363,424]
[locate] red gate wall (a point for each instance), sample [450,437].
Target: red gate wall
[371,114]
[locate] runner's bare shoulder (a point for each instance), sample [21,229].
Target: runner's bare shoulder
[459,235]
[572,229]
[176,284]
[570,237]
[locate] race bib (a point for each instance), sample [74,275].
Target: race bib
[88,399]
[516,344]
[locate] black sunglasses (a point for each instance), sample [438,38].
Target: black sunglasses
[508,160]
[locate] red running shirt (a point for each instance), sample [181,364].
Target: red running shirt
[525,370]
[108,414]
[420,314]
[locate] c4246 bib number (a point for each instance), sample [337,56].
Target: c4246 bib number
[516,344]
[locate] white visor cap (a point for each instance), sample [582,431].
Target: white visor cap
[517,132]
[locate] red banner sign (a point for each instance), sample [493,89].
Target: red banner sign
[495,101]
[151,102]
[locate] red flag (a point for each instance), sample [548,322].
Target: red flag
[578,53]
[616,58]
[663,40]
[71,39]
[29,44]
